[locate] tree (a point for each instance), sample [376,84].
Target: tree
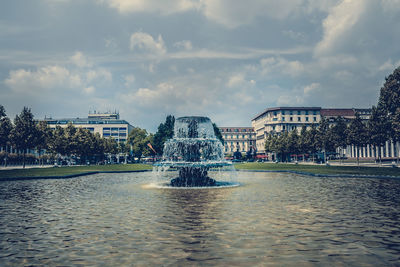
[293,143]
[57,142]
[396,131]
[303,142]
[164,132]
[71,141]
[324,140]
[43,137]
[389,103]
[84,147]
[25,134]
[217,133]
[356,134]
[5,130]
[137,138]
[389,98]
[378,129]
[338,134]
[312,140]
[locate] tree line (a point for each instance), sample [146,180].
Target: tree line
[24,134]
[383,125]
[27,134]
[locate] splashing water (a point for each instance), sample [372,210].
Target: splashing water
[193,152]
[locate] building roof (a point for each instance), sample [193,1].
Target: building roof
[239,129]
[85,121]
[284,108]
[336,112]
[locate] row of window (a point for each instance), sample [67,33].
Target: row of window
[114,129]
[236,130]
[298,119]
[298,112]
[114,134]
[237,136]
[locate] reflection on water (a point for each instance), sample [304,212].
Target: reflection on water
[272,219]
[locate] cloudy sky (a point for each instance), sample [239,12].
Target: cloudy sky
[226,59]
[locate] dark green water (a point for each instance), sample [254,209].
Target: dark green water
[270,220]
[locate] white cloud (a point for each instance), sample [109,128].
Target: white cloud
[311,88]
[58,78]
[233,13]
[129,80]
[89,90]
[185,44]
[143,42]
[389,65]
[97,74]
[279,64]
[81,60]
[230,13]
[22,80]
[339,24]
[162,7]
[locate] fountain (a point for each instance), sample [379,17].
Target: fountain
[193,151]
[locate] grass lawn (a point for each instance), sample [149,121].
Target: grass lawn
[71,170]
[320,169]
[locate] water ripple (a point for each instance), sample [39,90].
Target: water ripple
[268,219]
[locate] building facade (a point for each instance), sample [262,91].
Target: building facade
[286,119]
[242,139]
[282,119]
[108,125]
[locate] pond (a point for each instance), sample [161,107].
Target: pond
[270,219]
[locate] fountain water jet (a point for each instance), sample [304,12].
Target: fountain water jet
[193,151]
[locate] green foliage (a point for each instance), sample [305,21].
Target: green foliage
[379,128]
[324,138]
[356,132]
[164,132]
[138,139]
[389,99]
[338,133]
[24,135]
[2,111]
[56,141]
[5,127]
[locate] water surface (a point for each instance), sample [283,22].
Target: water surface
[271,219]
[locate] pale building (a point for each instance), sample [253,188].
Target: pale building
[282,119]
[240,139]
[108,125]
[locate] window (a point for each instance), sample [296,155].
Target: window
[306,118]
[275,119]
[106,129]
[114,134]
[291,118]
[315,118]
[283,118]
[114,129]
[298,112]
[306,112]
[275,113]
[298,119]
[122,129]
[122,134]
[106,134]
[283,112]
[291,112]
[315,112]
